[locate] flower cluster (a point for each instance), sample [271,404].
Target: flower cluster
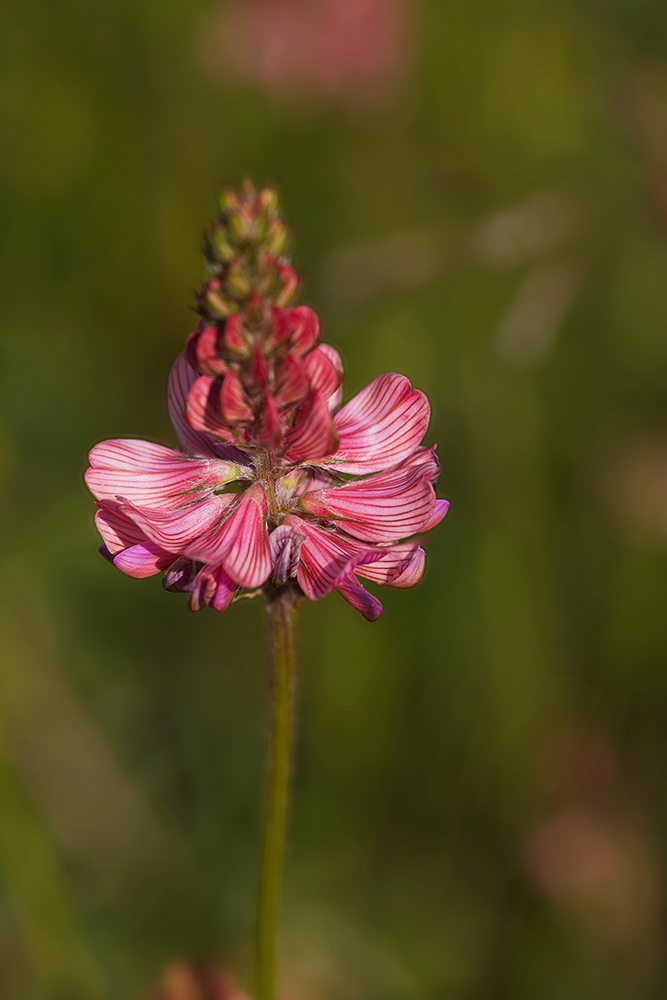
[280,484]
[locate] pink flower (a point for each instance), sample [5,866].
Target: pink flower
[332,502]
[279,486]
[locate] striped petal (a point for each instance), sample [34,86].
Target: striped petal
[324,369]
[439,511]
[396,561]
[313,436]
[383,508]
[381,426]
[149,474]
[359,598]
[178,531]
[117,530]
[241,542]
[213,587]
[326,559]
[181,379]
[143,560]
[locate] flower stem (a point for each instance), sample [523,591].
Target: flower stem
[281,607]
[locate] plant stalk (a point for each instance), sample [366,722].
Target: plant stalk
[281,607]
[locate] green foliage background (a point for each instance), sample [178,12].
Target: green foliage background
[481,798]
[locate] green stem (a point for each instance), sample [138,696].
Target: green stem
[281,607]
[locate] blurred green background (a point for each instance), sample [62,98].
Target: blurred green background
[477,192]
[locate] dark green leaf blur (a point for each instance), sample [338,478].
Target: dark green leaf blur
[477,195]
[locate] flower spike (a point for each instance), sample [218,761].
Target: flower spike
[278,486]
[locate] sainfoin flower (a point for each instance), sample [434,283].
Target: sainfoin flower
[277,483]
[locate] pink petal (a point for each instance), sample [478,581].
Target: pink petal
[117,530]
[292,383]
[359,598]
[304,329]
[149,474]
[285,543]
[202,351]
[313,436]
[179,530]
[234,336]
[143,560]
[202,410]
[241,543]
[411,573]
[326,558]
[334,400]
[383,508]
[181,378]
[234,403]
[381,426]
[213,587]
[269,431]
[439,511]
[396,560]
[324,372]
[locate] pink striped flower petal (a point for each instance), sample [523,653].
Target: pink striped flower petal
[411,573]
[439,511]
[381,426]
[181,379]
[304,328]
[213,587]
[117,530]
[178,531]
[151,475]
[285,543]
[143,560]
[292,384]
[326,558]
[383,508]
[334,400]
[324,370]
[202,351]
[203,411]
[396,560]
[269,430]
[241,543]
[234,403]
[359,598]
[313,436]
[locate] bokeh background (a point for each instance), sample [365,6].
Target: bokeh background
[478,196]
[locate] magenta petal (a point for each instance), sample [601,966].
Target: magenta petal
[292,383]
[213,587]
[439,511]
[181,378]
[383,508]
[411,573]
[150,475]
[381,426]
[285,543]
[241,543]
[179,530]
[117,530]
[324,370]
[395,561]
[326,558]
[141,561]
[313,436]
[359,598]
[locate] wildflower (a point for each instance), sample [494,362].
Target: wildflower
[280,484]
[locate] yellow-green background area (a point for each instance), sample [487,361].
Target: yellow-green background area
[481,776]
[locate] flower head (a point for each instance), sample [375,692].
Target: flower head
[279,484]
